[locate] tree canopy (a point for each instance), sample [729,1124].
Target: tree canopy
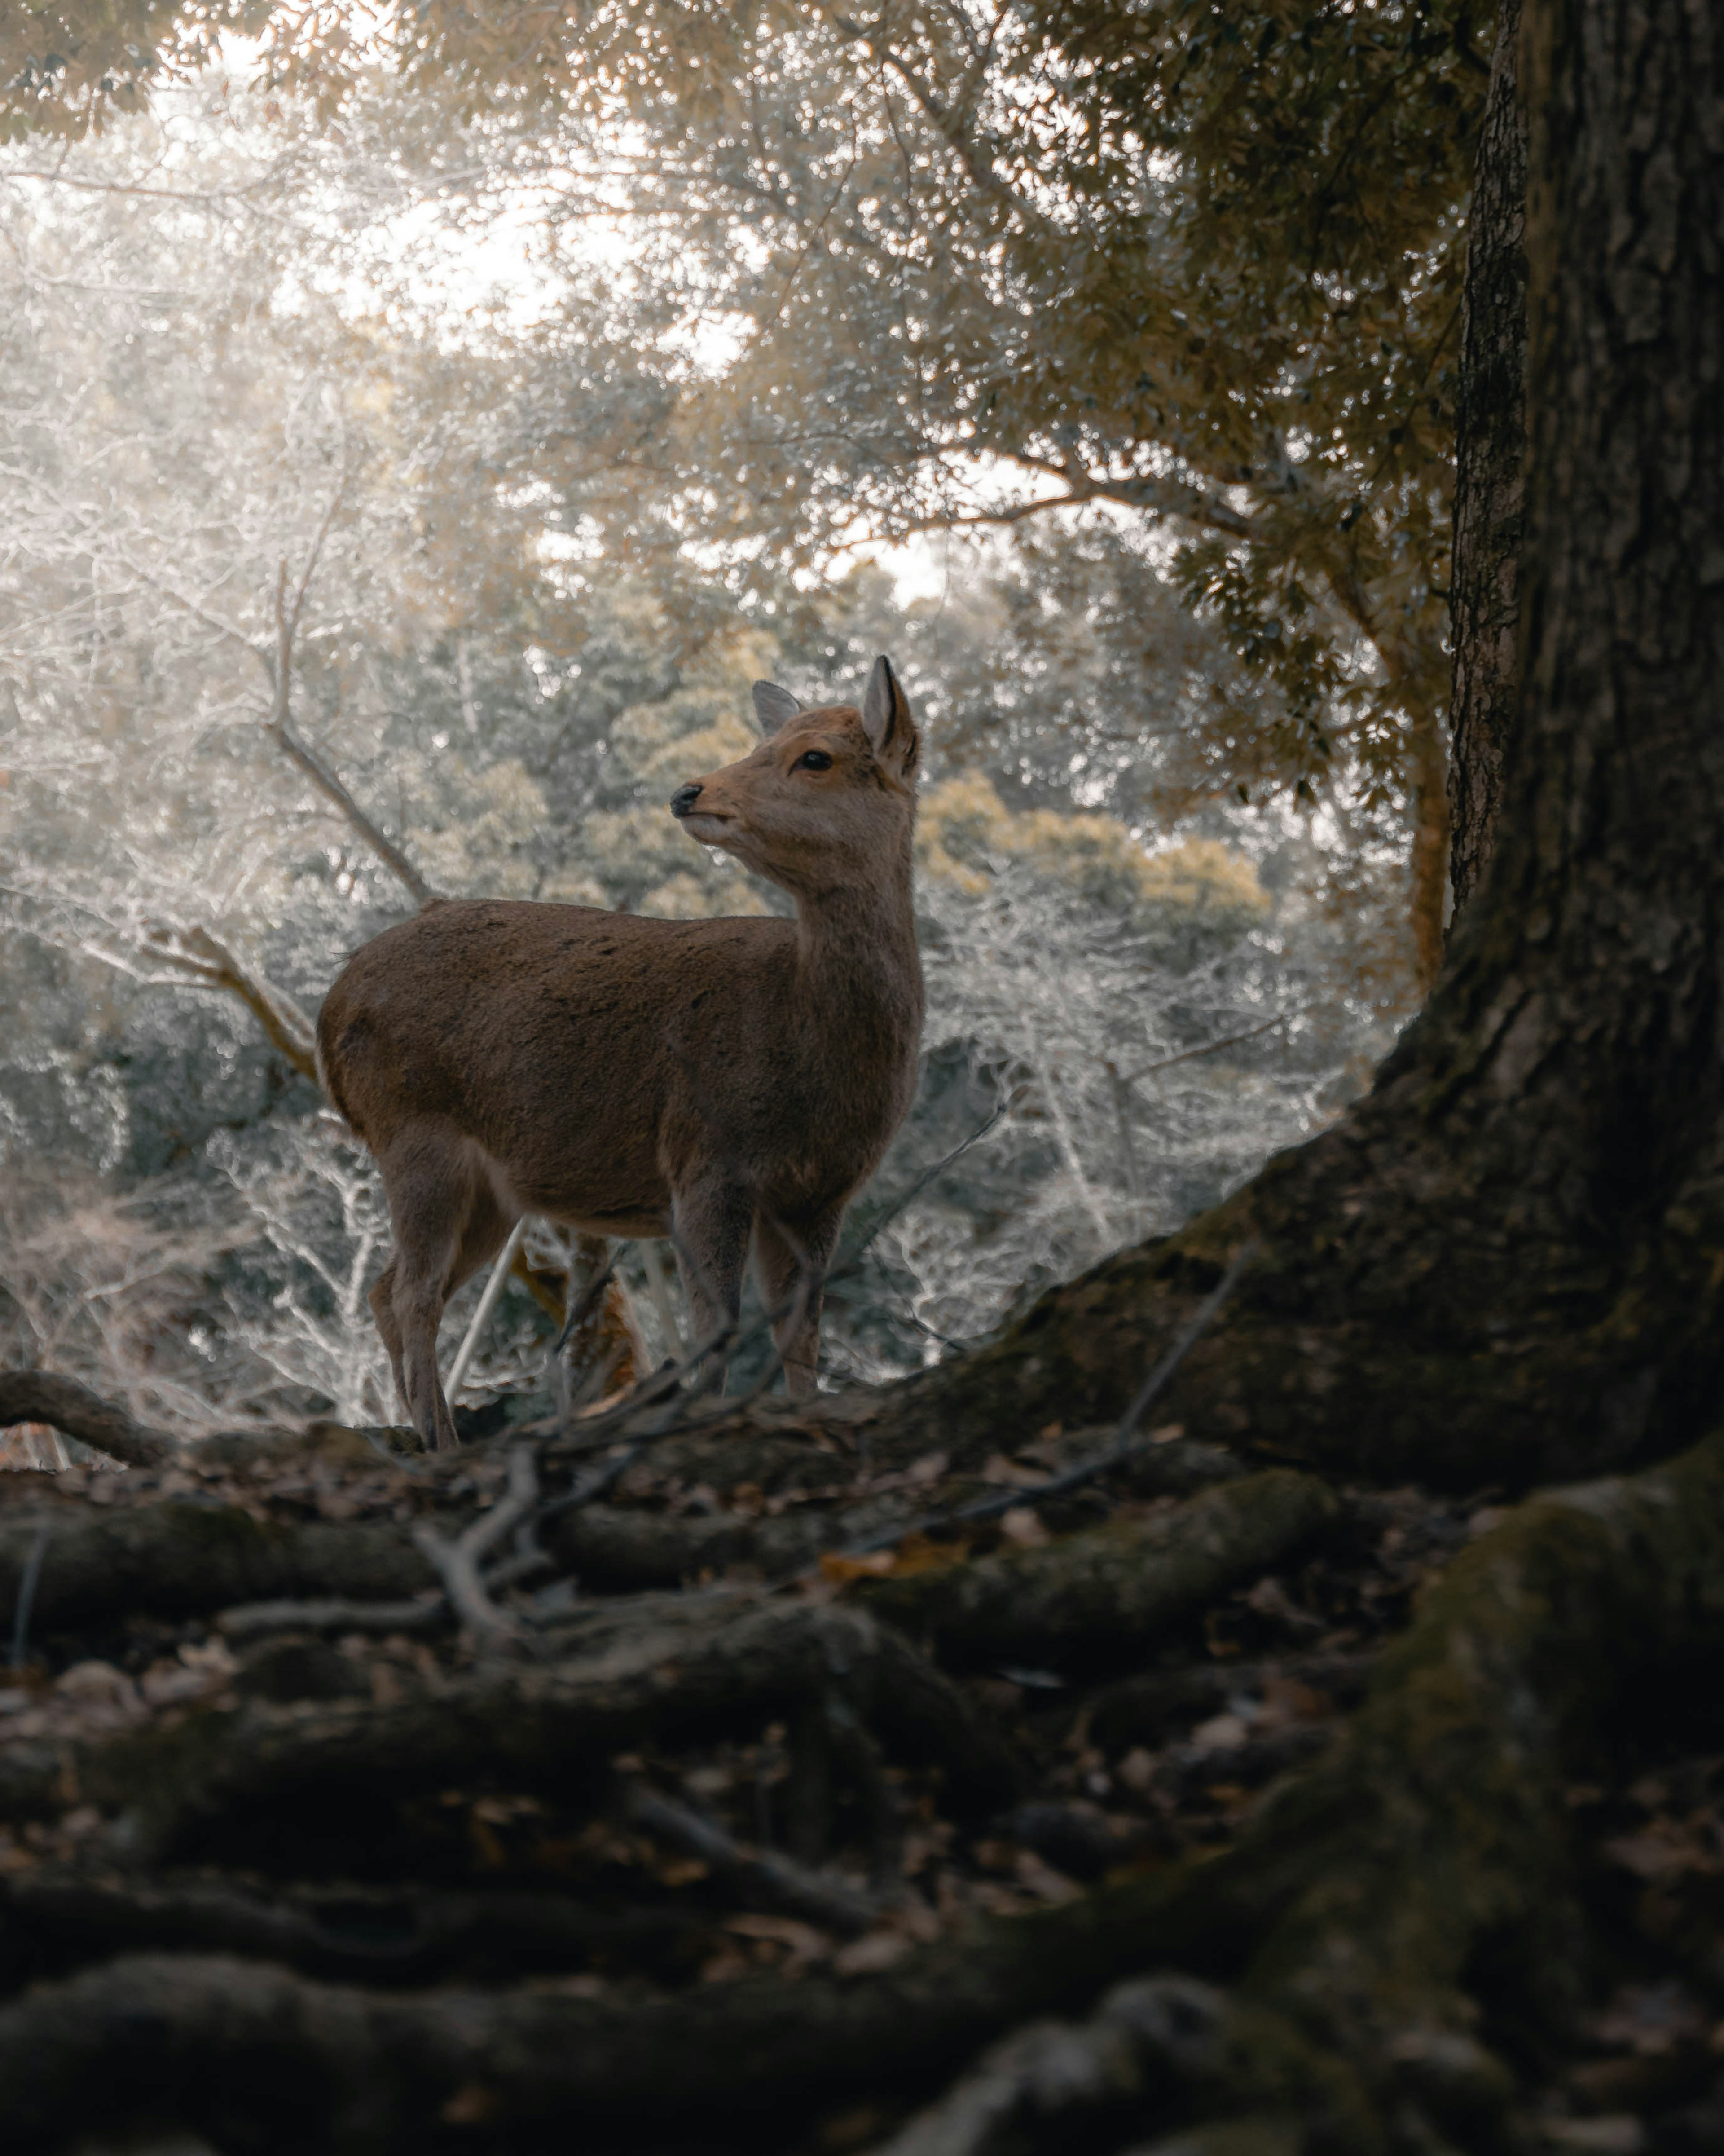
[959,265]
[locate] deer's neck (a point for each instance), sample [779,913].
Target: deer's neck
[859,975]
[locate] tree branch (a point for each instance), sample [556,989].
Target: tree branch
[278,728]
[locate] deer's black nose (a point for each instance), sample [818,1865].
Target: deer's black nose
[683,800]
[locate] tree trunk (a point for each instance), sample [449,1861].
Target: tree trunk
[1429,864]
[1490,475]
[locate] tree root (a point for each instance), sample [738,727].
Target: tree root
[176,1558]
[262,2059]
[765,1879]
[229,1773]
[39,1396]
[55,1922]
[1122,1584]
[1439,1825]
[1346,1922]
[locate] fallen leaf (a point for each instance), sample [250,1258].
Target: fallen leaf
[872,1952]
[1011,1473]
[1661,1849]
[1022,1526]
[1221,1732]
[805,1942]
[840,1569]
[928,1468]
[920,1554]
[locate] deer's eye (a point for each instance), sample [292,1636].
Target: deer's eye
[813,759]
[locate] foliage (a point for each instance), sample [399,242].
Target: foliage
[964,263]
[961,263]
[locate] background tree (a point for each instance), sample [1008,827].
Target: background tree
[963,265]
[1200,265]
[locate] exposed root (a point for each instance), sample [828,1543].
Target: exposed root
[1342,1926]
[176,1557]
[1440,1823]
[225,1775]
[58,1921]
[1117,1586]
[765,1879]
[39,1396]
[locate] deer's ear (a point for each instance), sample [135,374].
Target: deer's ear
[886,721]
[773,706]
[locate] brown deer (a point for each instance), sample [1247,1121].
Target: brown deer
[724,1082]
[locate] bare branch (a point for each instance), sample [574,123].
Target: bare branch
[325,780]
[208,962]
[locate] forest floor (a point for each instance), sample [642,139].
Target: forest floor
[666,1726]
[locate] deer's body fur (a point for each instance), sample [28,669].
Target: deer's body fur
[728,1082]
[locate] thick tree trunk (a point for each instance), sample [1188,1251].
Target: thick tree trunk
[1490,475]
[1429,864]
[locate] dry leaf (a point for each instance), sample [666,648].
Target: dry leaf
[1021,1526]
[805,1942]
[1012,1473]
[918,1554]
[872,1952]
[840,1569]
[1221,1732]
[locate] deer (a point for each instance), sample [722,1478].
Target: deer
[728,1083]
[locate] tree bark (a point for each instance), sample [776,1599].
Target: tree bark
[1490,475]
[1429,864]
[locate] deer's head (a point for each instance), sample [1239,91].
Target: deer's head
[826,801]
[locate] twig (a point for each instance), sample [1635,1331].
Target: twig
[256,1620]
[1211,1047]
[759,1872]
[425,1613]
[928,1175]
[590,1296]
[26,1596]
[457,1562]
[276,726]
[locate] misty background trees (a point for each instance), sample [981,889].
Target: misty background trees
[1169,908]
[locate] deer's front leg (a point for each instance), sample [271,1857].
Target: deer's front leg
[709,1222]
[791,1257]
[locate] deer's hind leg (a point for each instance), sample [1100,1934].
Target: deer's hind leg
[448,1222]
[382,1300]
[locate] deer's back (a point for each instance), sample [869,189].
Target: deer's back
[559,1038]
